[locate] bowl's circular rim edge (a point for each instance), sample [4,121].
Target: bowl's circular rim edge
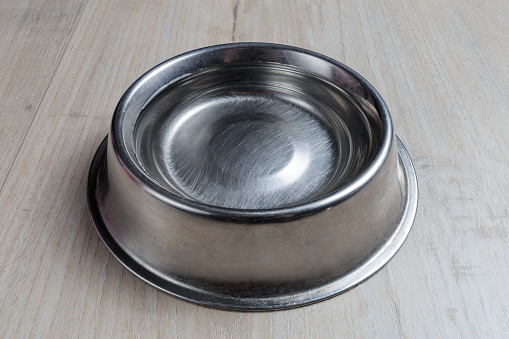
[245,215]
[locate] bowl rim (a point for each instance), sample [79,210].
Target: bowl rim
[249,215]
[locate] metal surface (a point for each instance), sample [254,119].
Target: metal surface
[252,176]
[228,296]
[252,136]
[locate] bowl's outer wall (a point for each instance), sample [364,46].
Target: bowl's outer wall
[202,247]
[189,247]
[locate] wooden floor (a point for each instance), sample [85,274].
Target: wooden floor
[442,67]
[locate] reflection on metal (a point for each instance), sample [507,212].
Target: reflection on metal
[252,176]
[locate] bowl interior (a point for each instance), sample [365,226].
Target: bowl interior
[254,135]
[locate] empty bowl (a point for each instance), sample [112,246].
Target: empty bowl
[252,176]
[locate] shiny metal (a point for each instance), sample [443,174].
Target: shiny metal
[252,176]
[253,136]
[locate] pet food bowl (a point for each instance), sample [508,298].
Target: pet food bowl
[252,176]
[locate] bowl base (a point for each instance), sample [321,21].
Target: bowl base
[203,296]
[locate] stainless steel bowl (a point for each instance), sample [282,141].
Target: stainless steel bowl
[252,176]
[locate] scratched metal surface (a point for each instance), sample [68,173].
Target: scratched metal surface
[254,137]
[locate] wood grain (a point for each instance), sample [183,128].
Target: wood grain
[442,69]
[33,38]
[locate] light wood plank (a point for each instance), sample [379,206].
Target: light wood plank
[441,68]
[33,38]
